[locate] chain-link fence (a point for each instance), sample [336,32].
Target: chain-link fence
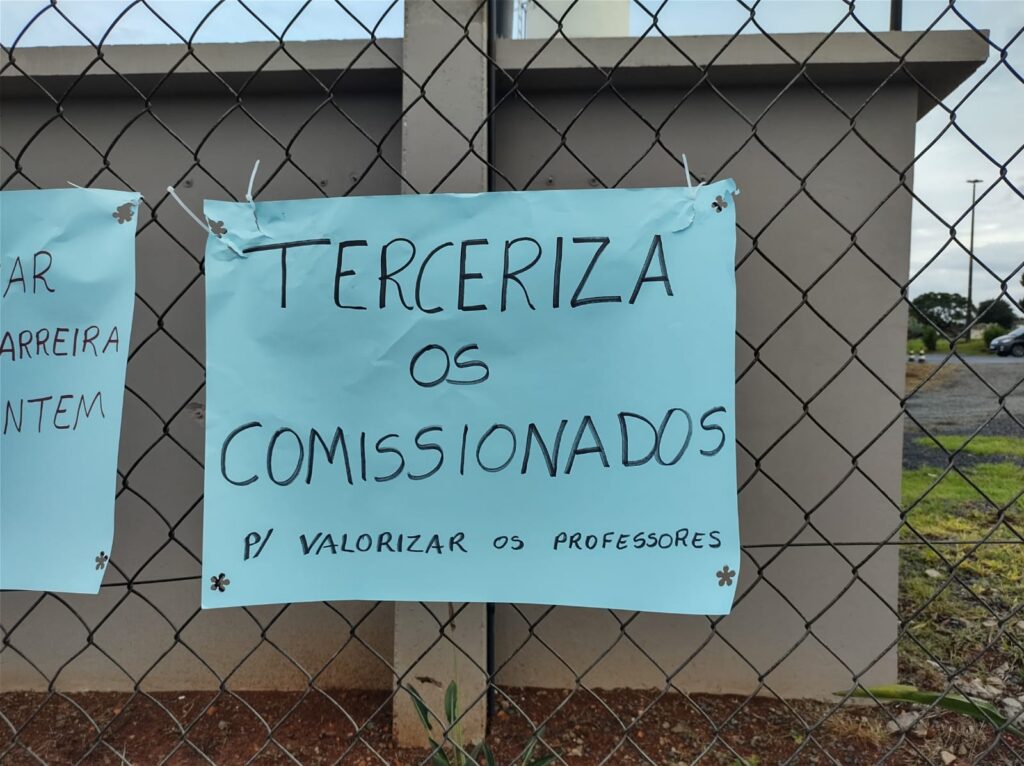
[881,498]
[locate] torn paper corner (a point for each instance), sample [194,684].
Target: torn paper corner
[686,216]
[218,231]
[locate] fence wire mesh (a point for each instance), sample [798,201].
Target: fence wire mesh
[141,675]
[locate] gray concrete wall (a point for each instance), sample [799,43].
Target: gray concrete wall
[788,629]
[765,635]
[167,482]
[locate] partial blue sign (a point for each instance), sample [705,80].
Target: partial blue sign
[510,397]
[67,291]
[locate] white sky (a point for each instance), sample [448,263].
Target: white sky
[992,116]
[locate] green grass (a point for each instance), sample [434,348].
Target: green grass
[963,347]
[953,495]
[979,445]
[954,625]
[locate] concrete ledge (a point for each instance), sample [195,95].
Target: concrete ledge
[360,64]
[939,60]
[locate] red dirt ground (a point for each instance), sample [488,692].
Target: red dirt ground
[585,731]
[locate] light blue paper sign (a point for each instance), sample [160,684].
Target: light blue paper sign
[511,397]
[67,276]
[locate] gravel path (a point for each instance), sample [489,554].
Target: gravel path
[963,401]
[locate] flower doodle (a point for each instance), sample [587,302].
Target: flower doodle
[719,204]
[219,582]
[102,559]
[725,575]
[218,228]
[123,214]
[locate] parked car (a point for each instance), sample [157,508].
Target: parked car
[1010,344]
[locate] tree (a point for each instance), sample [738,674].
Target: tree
[947,311]
[998,311]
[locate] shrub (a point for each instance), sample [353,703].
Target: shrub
[930,338]
[992,332]
[455,754]
[973,707]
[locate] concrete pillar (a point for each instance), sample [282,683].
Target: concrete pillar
[444,74]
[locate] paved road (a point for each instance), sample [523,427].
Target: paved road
[965,399]
[979,359]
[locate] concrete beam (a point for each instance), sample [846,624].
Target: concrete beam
[444,149]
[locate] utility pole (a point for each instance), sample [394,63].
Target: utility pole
[970,262]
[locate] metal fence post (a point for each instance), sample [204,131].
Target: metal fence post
[444,149]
